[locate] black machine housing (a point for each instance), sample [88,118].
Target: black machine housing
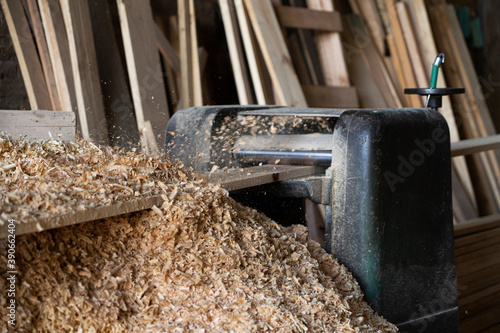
[387,191]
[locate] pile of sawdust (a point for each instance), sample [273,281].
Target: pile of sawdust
[201,262]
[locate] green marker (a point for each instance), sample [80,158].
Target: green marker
[434,74]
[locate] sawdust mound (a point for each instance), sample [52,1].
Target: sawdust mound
[201,262]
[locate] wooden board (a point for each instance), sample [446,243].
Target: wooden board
[285,81]
[330,50]
[37,124]
[470,146]
[251,55]
[400,53]
[331,97]
[27,57]
[303,18]
[43,53]
[355,27]
[91,116]
[167,50]
[145,72]
[195,57]
[236,52]
[369,12]
[187,88]
[57,44]
[117,98]
[231,180]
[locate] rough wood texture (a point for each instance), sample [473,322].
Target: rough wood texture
[85,70]
[330,50]
[285,82]
[331,97]
[303,18]
[37,124]
[27,56]
[144,72]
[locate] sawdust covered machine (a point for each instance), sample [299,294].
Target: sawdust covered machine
[383,175]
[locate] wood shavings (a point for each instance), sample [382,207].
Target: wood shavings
[201,262]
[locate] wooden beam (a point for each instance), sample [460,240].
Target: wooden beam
[330,50]
[236,53]
[145,72]
[471,146]
[195,57]
[279,64]
[85,71]
[187,88]
[26,53]
[303,18]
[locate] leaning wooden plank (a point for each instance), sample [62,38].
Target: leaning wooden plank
[117,98]
[276,56]
[411,43]
[84,63]
[187,88]
[400,51]
[470,146]
[369,12]
[145,72]
[330,50]
[427,45]
[331,97]
[355,27]
[463,207]
[37,124]
[195,58]
[250,51]
[57,44]
[303,18]
[27,56]
[166,49]
[43,53]
[236,53]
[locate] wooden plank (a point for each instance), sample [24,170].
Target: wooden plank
[400,52]
[309,51]
[478,224]
[37,124]
[369,74]
[187,88]
[330,50]
[85,70]
[482,321]
[369,12]
[167,50]
[470,146]
[487,241]
[331,97]
[57,44]
[468,284]
[43,53]
[479,302]
[251,55]
[236,53]
[427,46]
[117,98]
[97,213]
[303,18]
[145,72]
[411,44]
[195,58]
[27,56]
[275,52]
[479,166]
[474,238]
[462,204]
[486,258]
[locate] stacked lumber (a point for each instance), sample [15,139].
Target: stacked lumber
[71,60]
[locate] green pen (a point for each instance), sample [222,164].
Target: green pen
[434,74]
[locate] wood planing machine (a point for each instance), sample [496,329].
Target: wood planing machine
[383,175]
